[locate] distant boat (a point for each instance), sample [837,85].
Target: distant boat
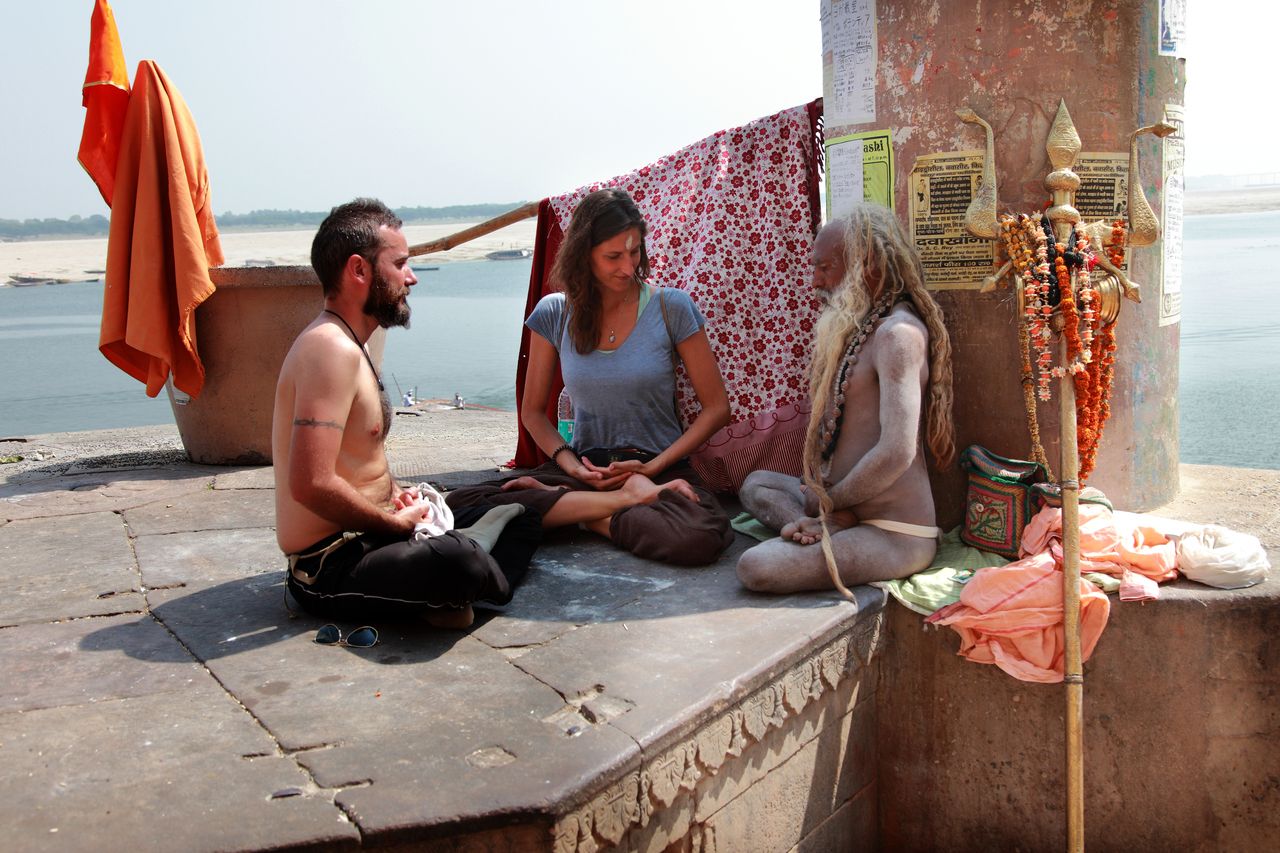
[510,254]
[32,280]
[419,268]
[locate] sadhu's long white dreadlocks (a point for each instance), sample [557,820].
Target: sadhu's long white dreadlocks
[876,250]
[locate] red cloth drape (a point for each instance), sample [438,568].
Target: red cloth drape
[546,244]
[106,99]
[162,241]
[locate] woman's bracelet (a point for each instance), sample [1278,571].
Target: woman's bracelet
[556,452]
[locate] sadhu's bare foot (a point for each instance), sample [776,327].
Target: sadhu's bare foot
[804,531]
[808,530]
[526,483]
[644,491]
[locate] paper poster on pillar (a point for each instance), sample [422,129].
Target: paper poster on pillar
[941,186]
[1171,218]
[1104,189]
[1173,27]
[859,168]
[848,63]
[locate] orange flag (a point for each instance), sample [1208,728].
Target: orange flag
[106,98]
[163,240]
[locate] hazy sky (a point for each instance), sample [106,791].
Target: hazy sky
[304,102]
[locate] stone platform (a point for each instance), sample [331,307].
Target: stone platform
[155,692]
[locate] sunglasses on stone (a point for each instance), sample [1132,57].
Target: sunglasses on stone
[360,638]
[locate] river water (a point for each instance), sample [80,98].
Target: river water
[465,338]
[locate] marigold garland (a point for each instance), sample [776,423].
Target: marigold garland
[1059,274]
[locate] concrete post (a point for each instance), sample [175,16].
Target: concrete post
[1011,61]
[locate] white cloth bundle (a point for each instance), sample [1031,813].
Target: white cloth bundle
[1221,557]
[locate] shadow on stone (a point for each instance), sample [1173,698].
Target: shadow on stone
[242,617]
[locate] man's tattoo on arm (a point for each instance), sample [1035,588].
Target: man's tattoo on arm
[315,423]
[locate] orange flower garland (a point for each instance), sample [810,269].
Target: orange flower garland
[1093,417]
[1060,272]
[1115,246]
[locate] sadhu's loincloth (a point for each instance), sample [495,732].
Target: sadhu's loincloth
[918,530]
[672,529]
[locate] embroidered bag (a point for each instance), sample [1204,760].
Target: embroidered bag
[999,502]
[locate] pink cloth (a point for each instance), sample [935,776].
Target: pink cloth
[1011,615]
[731,221]
[1107,544]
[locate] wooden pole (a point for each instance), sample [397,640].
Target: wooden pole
[525,211]
[1073,672]
[1062,146]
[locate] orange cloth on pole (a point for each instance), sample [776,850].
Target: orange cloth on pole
[106,99]
[163,239]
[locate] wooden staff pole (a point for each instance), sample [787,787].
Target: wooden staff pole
[1062,146]
[524,211]
[1073,672]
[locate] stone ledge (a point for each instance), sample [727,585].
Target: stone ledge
[641,795]
[1181,731]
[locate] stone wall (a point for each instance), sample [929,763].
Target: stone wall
[1181,729]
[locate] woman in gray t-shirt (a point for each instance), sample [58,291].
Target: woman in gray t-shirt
[615,341]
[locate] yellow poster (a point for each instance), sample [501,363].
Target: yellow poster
[941,187]
[859,168]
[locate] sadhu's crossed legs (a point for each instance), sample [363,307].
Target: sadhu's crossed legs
[778,501]
[793,563]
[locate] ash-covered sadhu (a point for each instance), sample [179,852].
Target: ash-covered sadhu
[881,371]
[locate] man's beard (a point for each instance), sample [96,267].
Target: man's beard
[380,306]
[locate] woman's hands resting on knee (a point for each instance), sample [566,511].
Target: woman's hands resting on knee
[602,479]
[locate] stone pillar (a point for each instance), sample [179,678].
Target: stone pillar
[1012,61]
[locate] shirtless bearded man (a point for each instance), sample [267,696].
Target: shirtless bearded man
[346,526]
[881,350]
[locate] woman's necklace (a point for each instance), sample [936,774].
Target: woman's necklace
[834,419]
[362,347]
[612,336]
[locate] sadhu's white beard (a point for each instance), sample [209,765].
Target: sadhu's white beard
[844,310]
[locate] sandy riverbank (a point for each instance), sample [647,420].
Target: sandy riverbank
[1250,200]
[80,260]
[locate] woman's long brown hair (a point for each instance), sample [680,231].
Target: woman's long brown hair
[600,216]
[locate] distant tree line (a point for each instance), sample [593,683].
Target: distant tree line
[97,226]
[76,226]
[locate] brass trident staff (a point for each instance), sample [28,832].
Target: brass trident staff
[1063,146]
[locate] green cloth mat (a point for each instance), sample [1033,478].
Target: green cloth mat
[939,585]
[924,592]
[745,522]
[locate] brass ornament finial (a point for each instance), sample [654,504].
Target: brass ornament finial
[980,218]
[1064,142]
[1063,146]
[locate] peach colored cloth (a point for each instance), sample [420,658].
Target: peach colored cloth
[1011,616]
[106,100]
[162,241]
[1107,544]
